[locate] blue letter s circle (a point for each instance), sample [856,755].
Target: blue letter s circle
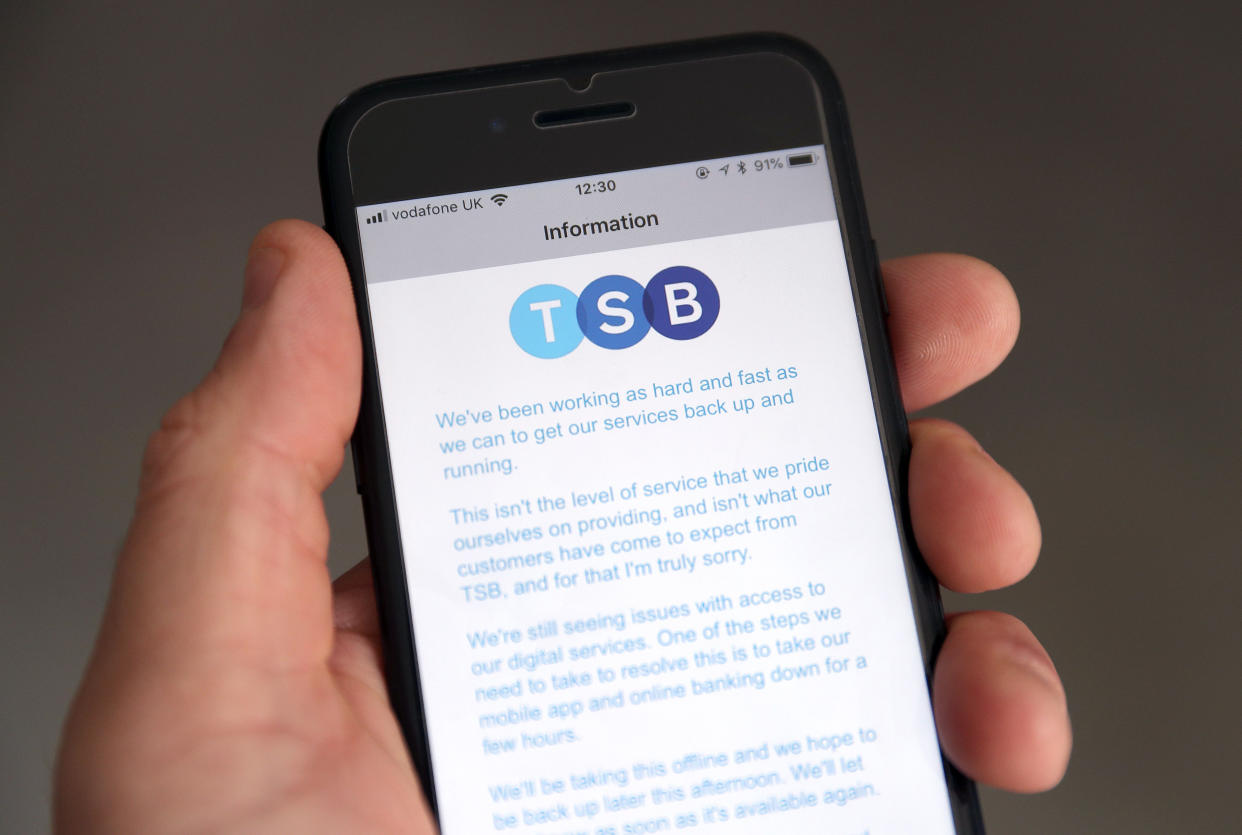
[610,312]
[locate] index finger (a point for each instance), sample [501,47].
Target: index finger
[952,320]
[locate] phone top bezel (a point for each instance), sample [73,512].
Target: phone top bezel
[371,460]
[396,141]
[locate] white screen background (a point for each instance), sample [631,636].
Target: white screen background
[443,344]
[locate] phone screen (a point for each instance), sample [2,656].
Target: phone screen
[653,561]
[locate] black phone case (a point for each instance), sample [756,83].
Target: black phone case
[370,454]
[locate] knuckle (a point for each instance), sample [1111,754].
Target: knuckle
[174,444]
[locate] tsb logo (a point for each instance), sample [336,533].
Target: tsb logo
[614,312]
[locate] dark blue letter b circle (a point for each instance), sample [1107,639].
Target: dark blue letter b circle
[681,302]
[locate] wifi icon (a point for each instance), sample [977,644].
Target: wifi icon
[499,199]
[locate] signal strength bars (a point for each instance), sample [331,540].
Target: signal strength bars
[378,217]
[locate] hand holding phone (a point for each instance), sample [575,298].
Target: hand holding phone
[218,601]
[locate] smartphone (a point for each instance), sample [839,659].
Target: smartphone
[631,450]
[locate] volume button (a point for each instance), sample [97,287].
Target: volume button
[879,277]
[353,456]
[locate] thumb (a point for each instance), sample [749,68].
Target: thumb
[225,558]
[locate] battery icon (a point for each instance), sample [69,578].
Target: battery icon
[795,160]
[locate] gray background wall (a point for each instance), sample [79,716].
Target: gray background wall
[1090,150]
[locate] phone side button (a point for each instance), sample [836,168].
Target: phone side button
[353,457]
[879,277]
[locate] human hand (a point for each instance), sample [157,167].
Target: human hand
[233,687]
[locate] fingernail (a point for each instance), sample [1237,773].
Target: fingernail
[262,269]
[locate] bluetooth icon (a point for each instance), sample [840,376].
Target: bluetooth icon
[741,168]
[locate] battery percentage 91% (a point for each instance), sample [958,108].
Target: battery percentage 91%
[768,163]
